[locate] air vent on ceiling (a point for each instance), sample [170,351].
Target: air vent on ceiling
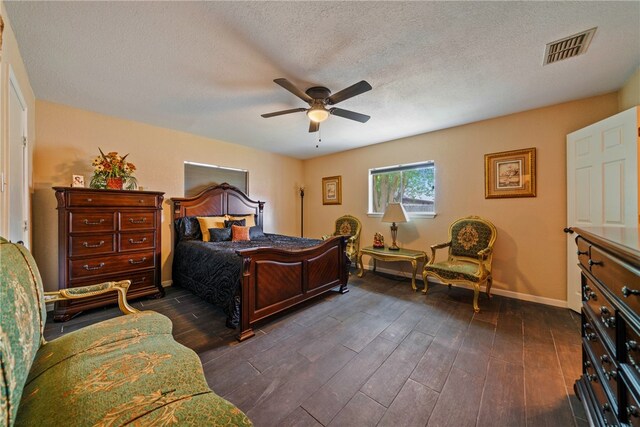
[568,47]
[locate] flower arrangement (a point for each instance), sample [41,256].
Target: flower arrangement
[113,171]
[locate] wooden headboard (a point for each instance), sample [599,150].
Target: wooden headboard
[223,199]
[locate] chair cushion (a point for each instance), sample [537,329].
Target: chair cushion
[454,271]
[468,237]
[99,337]
[143,380]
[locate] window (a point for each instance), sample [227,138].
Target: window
[412,185]
[198,176]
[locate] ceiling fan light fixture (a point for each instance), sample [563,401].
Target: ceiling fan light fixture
[318,113]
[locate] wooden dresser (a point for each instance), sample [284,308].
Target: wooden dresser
[106,235]
[609,387]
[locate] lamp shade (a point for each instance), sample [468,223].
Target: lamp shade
[395,213]
[317,113]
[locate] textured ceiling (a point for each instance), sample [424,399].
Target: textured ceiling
[208,67]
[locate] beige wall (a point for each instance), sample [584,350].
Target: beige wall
[629,94]
[12,60]
[530,252]
[69,138]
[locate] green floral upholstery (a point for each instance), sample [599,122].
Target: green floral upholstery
[126,370]
[348,225]
[470,246]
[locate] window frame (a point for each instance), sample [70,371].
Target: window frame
[400,167]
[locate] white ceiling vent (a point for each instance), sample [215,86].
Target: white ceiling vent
[568,47]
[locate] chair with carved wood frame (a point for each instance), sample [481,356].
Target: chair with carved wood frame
[470,246]
[348,225]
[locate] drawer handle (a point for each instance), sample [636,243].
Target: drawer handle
[626,291]
[631,345]
[98,267]
[131,261]
[605,359]
[87,222]
[632,411]
[137,242]
[141,201]
[582,252]
[137,282]
[606,407]
[591,295]
[89,200]
[604,310]
[611,375]
[592,378]
[592,262]
[591,336]
[587,364]
[137,221]
[87,245]
[609,322]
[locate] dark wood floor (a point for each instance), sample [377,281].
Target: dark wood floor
[384,355]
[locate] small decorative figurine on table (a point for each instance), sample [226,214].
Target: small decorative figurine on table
[378,241]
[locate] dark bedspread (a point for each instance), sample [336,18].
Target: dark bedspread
[212,270]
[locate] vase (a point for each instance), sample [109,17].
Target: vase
[114,183]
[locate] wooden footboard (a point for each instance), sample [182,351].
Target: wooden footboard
[276,279]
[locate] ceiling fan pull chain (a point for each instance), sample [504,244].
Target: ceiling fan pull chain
[319,138]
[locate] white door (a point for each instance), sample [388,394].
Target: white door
[17,180]
[602,183]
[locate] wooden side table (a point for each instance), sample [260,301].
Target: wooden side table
[384,254]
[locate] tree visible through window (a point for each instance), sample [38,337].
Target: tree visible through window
[412,185]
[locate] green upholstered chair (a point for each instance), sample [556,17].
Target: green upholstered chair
[470,246]
[348,225]
[125,370]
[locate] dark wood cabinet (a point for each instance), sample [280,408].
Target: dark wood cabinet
[609,387]
[106,235]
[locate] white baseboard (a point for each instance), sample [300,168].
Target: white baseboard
[494,290]
[167,283]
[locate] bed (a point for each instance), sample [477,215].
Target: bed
[251,280]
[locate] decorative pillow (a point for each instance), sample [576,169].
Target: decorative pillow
[239,233]
[256,233]
[187,228]
[207,222]
[219,234]
[250,219]
[229,222]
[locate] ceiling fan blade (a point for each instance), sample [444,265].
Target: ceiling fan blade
[279,113]
[362,118]
[294,90]
[351,91]
[313,126]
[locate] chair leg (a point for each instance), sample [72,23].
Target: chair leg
[476,292]
[449,284]
[489,283]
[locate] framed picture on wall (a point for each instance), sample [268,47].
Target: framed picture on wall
[332,190]
[510,174]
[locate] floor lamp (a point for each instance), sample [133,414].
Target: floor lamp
[301,189]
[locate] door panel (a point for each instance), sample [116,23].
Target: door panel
[16,177]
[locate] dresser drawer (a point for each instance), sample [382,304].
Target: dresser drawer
[631,346]
[603,405]
[144,220]
[94,244]
[607,366]
[107,199]
[137,241]
[618,277]
[101,265]
[601,309]
[86,221]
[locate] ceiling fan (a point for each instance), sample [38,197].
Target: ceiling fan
[318,97]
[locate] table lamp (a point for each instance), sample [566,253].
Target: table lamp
[395,213]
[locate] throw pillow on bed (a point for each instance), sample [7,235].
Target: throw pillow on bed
[207,222]
[219,234]
[256,233]
[251,219]
[230,222]
[239,233]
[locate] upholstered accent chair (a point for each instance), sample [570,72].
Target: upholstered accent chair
[348,225]
[470,246]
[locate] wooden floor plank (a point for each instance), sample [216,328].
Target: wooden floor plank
[386,382]
[459,401]
[331,398]
[411,407]
[503,395]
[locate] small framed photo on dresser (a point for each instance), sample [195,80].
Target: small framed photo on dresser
[77,181]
